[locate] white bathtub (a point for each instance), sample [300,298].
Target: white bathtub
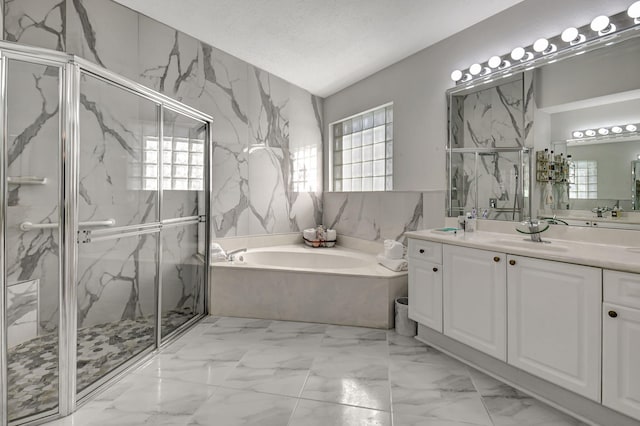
[299,283]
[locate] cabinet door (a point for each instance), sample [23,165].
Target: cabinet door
[425,293]
[474,287]
[620,355]
[554,322]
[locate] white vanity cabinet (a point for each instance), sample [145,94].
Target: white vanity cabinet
[554,326]
[621,342]
[425,283]
[474,294]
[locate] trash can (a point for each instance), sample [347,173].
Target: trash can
[404,325]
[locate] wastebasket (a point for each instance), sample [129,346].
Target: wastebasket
[404,325]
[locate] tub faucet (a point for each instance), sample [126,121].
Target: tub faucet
[230,255]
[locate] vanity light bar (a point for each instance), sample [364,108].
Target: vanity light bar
[543,49]
[610,131]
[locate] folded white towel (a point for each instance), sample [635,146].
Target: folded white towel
[396,265]
[393,249]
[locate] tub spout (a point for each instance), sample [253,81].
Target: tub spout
[231,255]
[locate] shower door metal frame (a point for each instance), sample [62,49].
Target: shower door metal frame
[71,68]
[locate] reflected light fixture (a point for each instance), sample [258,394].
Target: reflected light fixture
[634,12]
[572,36]
[602,25]
[475,69]
[494,62]
[608,131]
[543,46]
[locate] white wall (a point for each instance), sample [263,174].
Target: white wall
[417,84]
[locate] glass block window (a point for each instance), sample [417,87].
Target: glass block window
[305,169]
[182,164]
[363,151]
[583,179]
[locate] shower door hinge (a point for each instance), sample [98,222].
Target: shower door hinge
[202,218]
[84,236]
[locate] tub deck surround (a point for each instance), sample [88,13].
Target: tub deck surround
[617,249]
[294,282]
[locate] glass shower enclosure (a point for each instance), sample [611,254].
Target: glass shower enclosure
[104,213]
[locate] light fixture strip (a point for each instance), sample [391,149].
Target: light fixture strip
[542,51]
[619,130]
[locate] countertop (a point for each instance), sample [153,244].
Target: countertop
[607,256]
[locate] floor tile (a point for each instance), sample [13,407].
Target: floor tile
[228,407]
[314,413]
[242,371]
[272,370]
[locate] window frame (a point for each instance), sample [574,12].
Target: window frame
[575,187]
[388,141]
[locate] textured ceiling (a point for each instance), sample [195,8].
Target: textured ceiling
[322,46]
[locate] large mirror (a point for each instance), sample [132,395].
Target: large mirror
[600,183]
[589,109]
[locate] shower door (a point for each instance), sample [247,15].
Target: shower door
[118,263]
[104,230]
[31,278]
[183,213]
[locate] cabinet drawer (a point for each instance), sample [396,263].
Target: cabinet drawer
[622,288]
[425,250]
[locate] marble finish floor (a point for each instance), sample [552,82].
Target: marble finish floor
[33,365]
[236,371]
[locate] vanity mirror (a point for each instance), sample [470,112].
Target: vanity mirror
[589,82]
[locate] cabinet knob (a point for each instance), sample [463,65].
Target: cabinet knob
[421,251]
[496,259]
[512,262]
[613,314]
[435,269]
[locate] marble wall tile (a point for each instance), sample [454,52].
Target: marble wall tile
[375,216]
[33,130]
[39,23]
[498,117]
[182,272]
[116,280]
[105,33]
[22,312]
[276,205]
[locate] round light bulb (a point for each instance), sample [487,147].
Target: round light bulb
[456,75]
[475,69]
[578,134]
[541,45]
[494,62]
[570,34]
[590,132]
[631,128]
[634,10]
[616,129]
[600,23]
[517,53]
[603,131]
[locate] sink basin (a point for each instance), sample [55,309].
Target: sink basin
[527,244]
[633,249]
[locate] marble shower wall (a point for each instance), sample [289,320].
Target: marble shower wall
[260,121]
[267,133]
[497,117]
[377,216]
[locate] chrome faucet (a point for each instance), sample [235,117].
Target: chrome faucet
[230,255]
[534,231]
